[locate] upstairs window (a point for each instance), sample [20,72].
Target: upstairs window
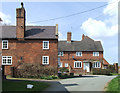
[4,44]
[60,53]
[45,44]
[45,60]
[96,65]
[78,53]
[77,64]
[95,53]
[6,60]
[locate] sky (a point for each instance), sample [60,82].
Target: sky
[100,24]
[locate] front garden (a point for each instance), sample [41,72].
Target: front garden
[19,85]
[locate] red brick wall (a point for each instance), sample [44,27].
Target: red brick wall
[31,51]
[67,58]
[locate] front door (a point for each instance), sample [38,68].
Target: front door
[87,67]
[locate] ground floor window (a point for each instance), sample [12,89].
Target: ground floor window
[96,65]
[77,64]
[59,64]
[45,60]
[6,60]
[66,64]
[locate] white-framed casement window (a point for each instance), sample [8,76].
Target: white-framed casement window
[45,44]
[60,53]
[6,60]
[45,60]
[95,53]
[78,64]
[59,64]
[96,64]
[78,53]
[66,64]
[4,44]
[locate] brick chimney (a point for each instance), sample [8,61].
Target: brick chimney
[57,30]
[69,37]
[20,22]
[83,36]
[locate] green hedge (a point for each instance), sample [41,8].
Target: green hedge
[34,71]
[99,71]
[63,76]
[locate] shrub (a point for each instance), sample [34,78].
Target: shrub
[35,70]
[63,69]
[72,74]
[99,71]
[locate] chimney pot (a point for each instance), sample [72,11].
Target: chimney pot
[22,4]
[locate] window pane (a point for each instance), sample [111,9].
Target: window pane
[80,64]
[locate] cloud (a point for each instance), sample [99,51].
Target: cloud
[6,19]
[103,28]
[61,36]
[111,8]
[98,28]
[30,24]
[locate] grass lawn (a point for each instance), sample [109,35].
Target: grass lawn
[16,85]
[113,85]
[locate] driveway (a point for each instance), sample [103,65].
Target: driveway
[84,83]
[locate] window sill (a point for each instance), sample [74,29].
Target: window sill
[6,64]
[45,64]
[4,48]
[77,67]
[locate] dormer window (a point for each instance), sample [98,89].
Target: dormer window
[60,53]
[4,44]
[45,44]
[95,53]
[78,53]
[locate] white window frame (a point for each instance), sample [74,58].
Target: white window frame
[60,64]
[45,42]
[66,64]
[3,44]
[78,53]
[43,60]
[7,60]
[95,64]
[77,62]
[60,54]
[94,53]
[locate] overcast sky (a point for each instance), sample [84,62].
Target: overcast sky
[100,24]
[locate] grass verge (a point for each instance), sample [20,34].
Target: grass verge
[114,84]
[19,85]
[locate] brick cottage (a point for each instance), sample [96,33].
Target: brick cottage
[81,56]
[39,44]
[30,44]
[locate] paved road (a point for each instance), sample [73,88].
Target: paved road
[84,83]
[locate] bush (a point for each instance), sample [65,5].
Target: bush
[99,71]
[72,74]
[63,69]
[36,70]
[63,76]
[49,77]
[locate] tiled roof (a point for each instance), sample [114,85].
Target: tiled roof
[87,44]
[105,62]
[32,32]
